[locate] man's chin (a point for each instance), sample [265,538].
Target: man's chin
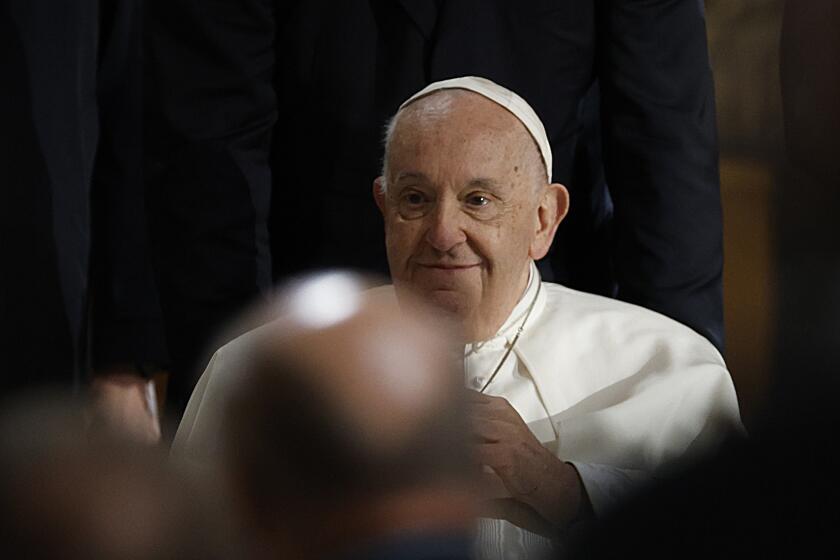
[453,307]
[454,304]
[448,301]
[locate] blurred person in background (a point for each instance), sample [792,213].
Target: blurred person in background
[76,287]
[576,399]
[67,493]
[264,129]
[345,432]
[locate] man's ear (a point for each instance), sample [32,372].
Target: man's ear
[379,193]
[552,209]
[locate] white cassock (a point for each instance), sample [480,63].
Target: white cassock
[615,389]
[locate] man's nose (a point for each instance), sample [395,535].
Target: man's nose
[446,227]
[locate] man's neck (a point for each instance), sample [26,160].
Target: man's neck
[479,329]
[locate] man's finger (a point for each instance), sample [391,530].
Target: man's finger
[493,455]
[493,430]
[491,487]
[491,412]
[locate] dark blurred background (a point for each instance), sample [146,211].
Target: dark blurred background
[744,49]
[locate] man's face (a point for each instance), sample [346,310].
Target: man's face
[461,208]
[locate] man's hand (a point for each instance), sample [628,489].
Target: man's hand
[123,404]
[525,480]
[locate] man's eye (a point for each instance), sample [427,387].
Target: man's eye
[413,204]
[414,198]
[478,200]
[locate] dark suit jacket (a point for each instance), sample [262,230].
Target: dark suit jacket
[259,99]
[69,133]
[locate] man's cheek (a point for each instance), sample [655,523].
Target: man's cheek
[402,239]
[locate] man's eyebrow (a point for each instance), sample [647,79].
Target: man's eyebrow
[411,175]
[486,183]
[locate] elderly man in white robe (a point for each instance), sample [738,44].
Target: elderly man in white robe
[577,399]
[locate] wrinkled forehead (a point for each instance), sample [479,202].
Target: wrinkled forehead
[459,111]
[503,97]
[461,124]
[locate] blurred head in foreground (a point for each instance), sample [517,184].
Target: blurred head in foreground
[347,428]
[70,495]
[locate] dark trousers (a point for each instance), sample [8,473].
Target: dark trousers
[76,288]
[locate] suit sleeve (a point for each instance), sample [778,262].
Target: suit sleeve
[211,106]
[661,159]
[126,323]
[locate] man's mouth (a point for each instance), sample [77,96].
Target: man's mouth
[449,266]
